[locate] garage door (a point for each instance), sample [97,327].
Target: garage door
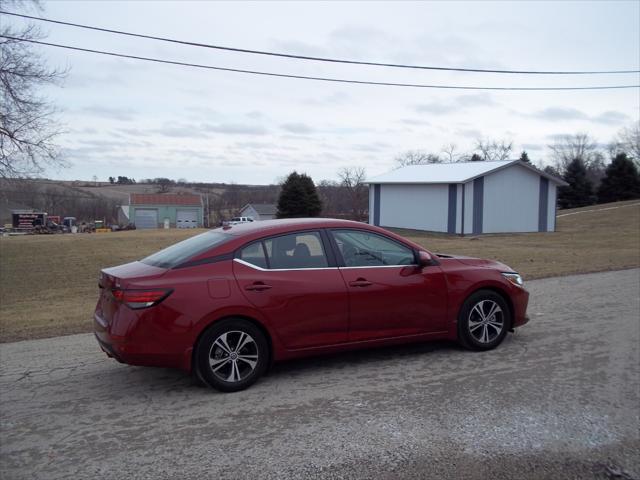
[187,219]
[146,218]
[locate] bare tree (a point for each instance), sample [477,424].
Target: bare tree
[627,141]
[328,191]
[493,150]
[450,154]
[416,157]
[352,179]
[567,148]
[27,123]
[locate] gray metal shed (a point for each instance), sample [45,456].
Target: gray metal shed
[466,197]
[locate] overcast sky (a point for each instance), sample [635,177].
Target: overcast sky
[127,117]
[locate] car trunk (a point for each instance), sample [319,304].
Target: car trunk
[129,275]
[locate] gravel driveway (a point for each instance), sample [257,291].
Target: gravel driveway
[559,399]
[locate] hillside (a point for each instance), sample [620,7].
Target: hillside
[99,199]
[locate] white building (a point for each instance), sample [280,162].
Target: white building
[465,197]
[259,211]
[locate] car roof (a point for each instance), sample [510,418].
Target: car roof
[244,233]
[288,224]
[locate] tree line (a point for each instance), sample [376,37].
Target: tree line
[57,200]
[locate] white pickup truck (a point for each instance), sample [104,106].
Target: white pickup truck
[237,220]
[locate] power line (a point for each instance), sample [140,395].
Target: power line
[318,59]
[321,79]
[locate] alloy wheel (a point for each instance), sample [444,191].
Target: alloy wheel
[486,321]
[233,356]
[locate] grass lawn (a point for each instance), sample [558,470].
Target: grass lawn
[48,283]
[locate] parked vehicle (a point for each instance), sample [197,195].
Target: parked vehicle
[237,221]
[26,220]
[228,303]
[68,223]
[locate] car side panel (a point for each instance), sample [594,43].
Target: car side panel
[305,308]
[395,301]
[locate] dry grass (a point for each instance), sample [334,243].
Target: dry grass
[48,284]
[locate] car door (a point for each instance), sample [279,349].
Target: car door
[297,286]
[390,295]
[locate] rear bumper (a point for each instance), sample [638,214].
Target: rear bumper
[139,347]
[108,349]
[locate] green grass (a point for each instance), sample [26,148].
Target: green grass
[48,283]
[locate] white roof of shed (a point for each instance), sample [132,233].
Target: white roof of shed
[460,172]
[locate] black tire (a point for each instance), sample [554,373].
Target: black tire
[480,332]
[221,365]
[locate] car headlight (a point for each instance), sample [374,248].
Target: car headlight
[514,278]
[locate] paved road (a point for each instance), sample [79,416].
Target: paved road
[559,399]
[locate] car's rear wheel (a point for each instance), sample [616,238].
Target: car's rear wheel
[231,355]
[483,321]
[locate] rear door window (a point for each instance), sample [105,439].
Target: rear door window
[254,254]
[297,250]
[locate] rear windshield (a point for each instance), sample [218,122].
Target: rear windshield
[182,251]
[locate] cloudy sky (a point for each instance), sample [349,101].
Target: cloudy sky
[127,117]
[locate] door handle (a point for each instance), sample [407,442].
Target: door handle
[361,282]
[257,287]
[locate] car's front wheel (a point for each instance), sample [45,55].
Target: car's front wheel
[231,355]
[483,321]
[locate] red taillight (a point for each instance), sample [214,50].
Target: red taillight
[140,298]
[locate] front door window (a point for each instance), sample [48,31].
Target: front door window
[366,249]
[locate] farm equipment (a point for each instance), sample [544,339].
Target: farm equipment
[34,222]
[27,220]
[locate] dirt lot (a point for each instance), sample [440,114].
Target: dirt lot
[48,284]
[558,400]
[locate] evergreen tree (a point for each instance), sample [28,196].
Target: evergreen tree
[621,181]
[524,157]
[298,197]
[476,158]
[579,192]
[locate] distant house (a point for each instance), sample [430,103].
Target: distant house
[465,197]
[259,211]
[160,210]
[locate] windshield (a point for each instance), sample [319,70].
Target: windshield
[182,251]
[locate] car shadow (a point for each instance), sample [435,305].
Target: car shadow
[360,357]
[157,380]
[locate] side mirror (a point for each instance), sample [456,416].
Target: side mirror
[425,258]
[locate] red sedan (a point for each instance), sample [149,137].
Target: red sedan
[228,303]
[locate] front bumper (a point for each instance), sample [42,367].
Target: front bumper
[520,299]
